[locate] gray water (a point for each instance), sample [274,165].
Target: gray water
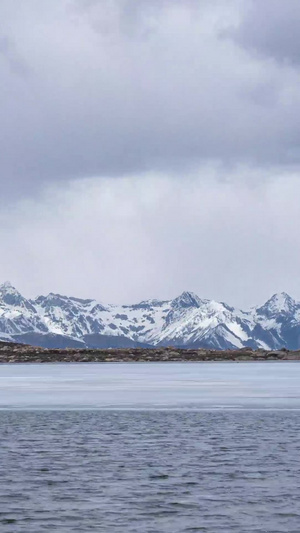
[150,448]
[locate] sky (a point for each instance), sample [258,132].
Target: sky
[150,147]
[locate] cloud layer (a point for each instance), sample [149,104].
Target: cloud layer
[92,88]
[128,240]
[271,29]
[150,147]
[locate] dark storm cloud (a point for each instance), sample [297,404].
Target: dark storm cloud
[92,88]
[272,29]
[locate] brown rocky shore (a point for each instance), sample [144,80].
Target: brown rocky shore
[23,353]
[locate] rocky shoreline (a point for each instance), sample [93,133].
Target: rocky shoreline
[23,353]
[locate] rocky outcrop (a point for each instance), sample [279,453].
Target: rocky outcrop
[22,353]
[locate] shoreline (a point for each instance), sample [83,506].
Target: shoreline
[21,353]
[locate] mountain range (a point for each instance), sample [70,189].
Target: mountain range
[57,321]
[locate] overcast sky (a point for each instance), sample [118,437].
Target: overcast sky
[149,147]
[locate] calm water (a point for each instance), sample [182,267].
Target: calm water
[217,448]
[151,385]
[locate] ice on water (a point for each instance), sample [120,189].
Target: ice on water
[151,385]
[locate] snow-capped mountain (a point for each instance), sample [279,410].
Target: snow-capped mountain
[187,321]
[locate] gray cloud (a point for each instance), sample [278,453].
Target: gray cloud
[271,28]
[122,87]
[14,59]
[126,240]
[193,106]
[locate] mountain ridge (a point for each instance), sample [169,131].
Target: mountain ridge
[187,321]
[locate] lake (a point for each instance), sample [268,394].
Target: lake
[151,385]
[150,447]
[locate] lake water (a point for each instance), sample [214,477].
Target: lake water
[150,448]
[151,385]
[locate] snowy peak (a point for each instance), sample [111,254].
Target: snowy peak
[57,299]
[186,300]
[7,286]
[181,309]
[148,304]
[51,299]
[9,296]
[186,321]
[279,304]
[7,291]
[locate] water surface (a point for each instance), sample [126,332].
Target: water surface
[151,385]
[150,471]
[150,448]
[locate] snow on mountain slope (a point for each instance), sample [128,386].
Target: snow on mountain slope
[279,317]
[16,313]
[76,317]
[184,321]
[190,324]
[69,316]
[279,304]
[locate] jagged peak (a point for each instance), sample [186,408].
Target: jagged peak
[9,295]
[58,300]
[185,319]
[187,299]
[151,303]
[51,299]
[280,302]
[281,299]
[57,295]
[7,286]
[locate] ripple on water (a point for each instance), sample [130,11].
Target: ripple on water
[147,472]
